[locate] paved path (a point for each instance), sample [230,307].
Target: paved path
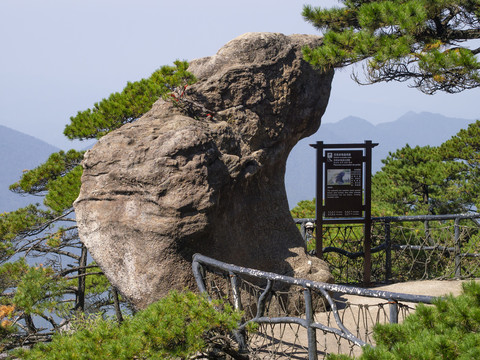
[360,318]
[421,287]
[426,287]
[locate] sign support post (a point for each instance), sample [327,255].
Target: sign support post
[343,191]
[367,264]
[319,200]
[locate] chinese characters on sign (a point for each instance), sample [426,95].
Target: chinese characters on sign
[343,183]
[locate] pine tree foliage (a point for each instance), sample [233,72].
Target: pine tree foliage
[431,180]
[45,276]
[464,147]
[127,106]
[305,209]
[426,41]
[178,326]
[57,165]
[58,179]
[418,181]
[449,330]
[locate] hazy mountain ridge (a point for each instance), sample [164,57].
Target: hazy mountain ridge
[19,152]
[413,128]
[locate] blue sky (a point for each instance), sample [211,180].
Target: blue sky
[60,56]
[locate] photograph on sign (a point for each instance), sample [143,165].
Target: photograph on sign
[338,176]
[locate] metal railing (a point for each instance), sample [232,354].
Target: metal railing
[404,248]
[291,312]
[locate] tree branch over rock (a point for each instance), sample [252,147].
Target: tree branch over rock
[427,42]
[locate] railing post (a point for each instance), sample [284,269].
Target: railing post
[199,275]
[393,311]
[319,201]
[303,232]
[458,257]
[311,332]
[367,265]
[426,226]
[367,250]
[237,303]
[388,252]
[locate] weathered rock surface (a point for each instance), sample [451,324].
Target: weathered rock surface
[169,185]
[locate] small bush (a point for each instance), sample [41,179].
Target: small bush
[178,326]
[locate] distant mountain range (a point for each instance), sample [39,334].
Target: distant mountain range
[18,152]
[412,128]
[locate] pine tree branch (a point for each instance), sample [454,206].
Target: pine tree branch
[76,269]
[83,275]
[47,250]
[50,320]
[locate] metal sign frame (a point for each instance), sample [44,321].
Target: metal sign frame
[348,163]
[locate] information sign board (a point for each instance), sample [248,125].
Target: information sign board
[344,192]
[343,183]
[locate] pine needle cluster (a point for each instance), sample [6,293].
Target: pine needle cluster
[179,326]
[426,41]
[66,284]
[128,105]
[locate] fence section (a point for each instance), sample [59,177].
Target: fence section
[299,318]
[403,248]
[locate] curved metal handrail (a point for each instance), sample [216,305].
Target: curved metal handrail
[324,288]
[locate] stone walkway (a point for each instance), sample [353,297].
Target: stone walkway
[426,287]
[360,319]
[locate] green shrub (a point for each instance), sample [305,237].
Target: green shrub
[176,327]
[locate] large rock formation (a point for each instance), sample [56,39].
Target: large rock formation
[206,176]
